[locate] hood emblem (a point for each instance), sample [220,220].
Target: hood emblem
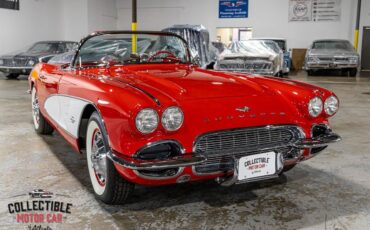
[244,109]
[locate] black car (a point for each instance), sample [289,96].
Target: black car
[23,62]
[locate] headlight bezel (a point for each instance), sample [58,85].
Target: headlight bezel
[327,106]
[138,123]
[165,124]
[315,102]
[353,59]
[312,59]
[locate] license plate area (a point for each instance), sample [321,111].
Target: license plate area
[257,166]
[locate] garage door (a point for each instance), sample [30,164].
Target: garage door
[365,55]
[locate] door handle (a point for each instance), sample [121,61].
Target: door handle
[42,77]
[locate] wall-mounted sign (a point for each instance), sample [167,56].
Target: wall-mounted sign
[314,10]
[9,4]
[233,8]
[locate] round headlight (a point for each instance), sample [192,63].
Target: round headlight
[331,105]
[147,121]
[31,62]
[172,118]
[315,106]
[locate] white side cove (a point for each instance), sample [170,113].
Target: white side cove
[66,112]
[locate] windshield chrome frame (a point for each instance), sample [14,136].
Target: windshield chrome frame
[114,32]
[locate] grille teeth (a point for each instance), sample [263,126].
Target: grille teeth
[222,147]
[242,139]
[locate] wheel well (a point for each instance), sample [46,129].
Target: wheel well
[86,114]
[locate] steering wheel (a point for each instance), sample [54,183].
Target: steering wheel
[170,56]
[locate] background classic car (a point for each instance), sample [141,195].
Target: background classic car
[152,117]
[201,48]
[332,54]
[22,62]
[282,43]
[252,56]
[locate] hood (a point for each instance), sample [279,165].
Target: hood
[184,83]
[331,52]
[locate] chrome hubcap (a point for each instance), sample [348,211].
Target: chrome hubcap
[99,157]
[36,108]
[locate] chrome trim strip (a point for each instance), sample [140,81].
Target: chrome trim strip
[156,100]
[179,172]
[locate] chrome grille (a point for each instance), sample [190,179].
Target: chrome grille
[222,147]
[246,66]
[341,59]
[17,62]
[326,59]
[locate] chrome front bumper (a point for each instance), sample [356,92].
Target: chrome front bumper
[175,162]
[13,69]
[329,65]
[196,158]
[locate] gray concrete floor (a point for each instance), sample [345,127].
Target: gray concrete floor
[331,191]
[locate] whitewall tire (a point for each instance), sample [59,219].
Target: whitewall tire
[108,185]
[39,122]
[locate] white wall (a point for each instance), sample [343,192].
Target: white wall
[102,15]
[266,17]
[74,19]
[37,20]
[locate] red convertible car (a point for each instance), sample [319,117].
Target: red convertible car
[145,114]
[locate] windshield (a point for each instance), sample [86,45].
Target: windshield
[51,47]
[341,45]
[116,49]
[254,47]
[281,44]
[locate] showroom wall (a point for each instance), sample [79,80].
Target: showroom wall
[36,20]
[54,20]
[102,15]
[74,19]
[266,17]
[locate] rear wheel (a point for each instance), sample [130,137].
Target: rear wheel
[108,185]
[40,124]
[12,76]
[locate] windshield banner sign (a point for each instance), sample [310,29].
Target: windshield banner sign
[233,9]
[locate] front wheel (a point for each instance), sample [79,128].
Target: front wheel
[108,185]
[39,122]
